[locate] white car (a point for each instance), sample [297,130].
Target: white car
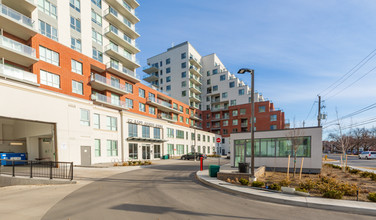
[367,155]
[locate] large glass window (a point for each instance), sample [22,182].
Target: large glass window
[97,121]
[133,151]
[85,117]
[97,55]
[170,132]
[145,131]
[141,107]
[47,30]
[180,134]
[132,130]
[75,4]
[76,44]
[111,123]
[75,24]
[97,147]
[128,103]
[97,37]
[48,8]
[96,18]
[170,149]
[112,148]
[48,55]
[141,93]
[180,149]
[76,67]
[49,79]
[273,118]
[97,3]
[157,133]
[77,87]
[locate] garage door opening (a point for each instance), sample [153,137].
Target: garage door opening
[34,139]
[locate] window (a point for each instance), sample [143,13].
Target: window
[168,70]
[187,121]
[111,123]
[242,111]
[198,137]
[203,138]
[161,81]
[170,132]
[208,81]
[208,124]
[151,110]
[232,84]
[225,123]
[215,88]
[208,73]
[183,65]
[48,8]
[97,55]
[49,79]
[181,108]
[273,127]
[193,136]
[241,92]
[75,24]
[168,79]
[157,133]
[133,151]
[49,56]
[225,131]
[97,37]
[180,134]
[97,3]
[96,18]
[215,71]
[170,149]
[175,117]
[261,108]
[76,67]
[180,149]
[183,84]
[129,103]
[77,87]
[76,44]
[141,107]
[141,93]
[97,121]
[183,74]
[222,77]
[183,93]
[145,131]
[97,147]
[233,102]
[181,119]
[187,111]
[224,94]
[112,149]
[129,88]
[183,55]
[273,118]
[168,61]
[75,4]
[235,113]
[168,88]
[85,117]
[132,130]
[47,30]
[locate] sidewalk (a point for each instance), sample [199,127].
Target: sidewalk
[364,208]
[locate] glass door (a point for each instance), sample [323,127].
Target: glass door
[157,151]
[146,152]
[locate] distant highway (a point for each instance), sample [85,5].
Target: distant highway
[354,161]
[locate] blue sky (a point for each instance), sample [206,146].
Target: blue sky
[297,48]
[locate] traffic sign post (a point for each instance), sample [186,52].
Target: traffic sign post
[219,158]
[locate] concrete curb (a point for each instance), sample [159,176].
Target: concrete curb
[363,208]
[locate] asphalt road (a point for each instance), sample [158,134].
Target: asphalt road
[354,161]
[172,192]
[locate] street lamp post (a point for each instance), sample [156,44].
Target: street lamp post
[252,72]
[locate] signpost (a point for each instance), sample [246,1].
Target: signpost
[218,140]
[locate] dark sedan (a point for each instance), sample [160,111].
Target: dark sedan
[192,155]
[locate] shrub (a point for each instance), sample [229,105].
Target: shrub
[300,189]
[130,163]
[257,184]
[373,176]
[308,184]
[116,164]
[139,163]
[365,174]
[125,164]
[275,186]
[336,167]
[134,162]
[244,181]
[348,189]
[285,182]
[372,197]
[333,194]
[354,171]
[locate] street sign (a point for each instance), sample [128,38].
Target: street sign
[218,140]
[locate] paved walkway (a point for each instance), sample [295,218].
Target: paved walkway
[365,208]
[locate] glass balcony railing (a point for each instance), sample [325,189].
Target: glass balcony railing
[195,78]
[121,52]
[195,87]
[108,100]
[120,18]
[193,95]
[119,67]
[165,116]
[15,15]
[159,101]
[17,46]
[121,35]
[18,74]
[108,82]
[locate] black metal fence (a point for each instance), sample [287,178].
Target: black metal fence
[42,169]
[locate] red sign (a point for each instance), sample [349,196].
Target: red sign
[218,140]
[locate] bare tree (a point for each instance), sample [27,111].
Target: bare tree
[296,139]
[343,139]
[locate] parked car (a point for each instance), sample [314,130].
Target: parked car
[367,155]
[192,155]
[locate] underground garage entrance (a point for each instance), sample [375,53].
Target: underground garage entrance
[27,140]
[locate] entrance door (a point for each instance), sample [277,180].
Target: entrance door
[85,155]
[146,152]
[157,151]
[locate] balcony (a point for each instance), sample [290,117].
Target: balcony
[121,22]
[218,100]
[219,109]
[125,9]
[195,70]
[194,88]
[162,105]
[16,23]
[196,126]
[25,7]
[107,101]
[166,117]
[195,62]
[102,83]
[151,78]
[194,105]
[9,72]
[194,97]
[121,55]
[121,71]
[121,39]
[150,69]
[216,119]
[195,79]
[16,52]
[195,117]
[244,124]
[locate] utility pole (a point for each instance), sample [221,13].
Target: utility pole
[319,113]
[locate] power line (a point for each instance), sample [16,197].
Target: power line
[313,104]
[367,108]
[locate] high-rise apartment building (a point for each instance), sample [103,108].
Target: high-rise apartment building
[70,91]
[222,101]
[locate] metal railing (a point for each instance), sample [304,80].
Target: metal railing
[120,18]
[119,67]
[109,82]
[159,101]
[17,46]
[15,15]
[41,169]
[11,72]
[121,35]
[105,99]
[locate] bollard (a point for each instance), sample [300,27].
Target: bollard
[201,163]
